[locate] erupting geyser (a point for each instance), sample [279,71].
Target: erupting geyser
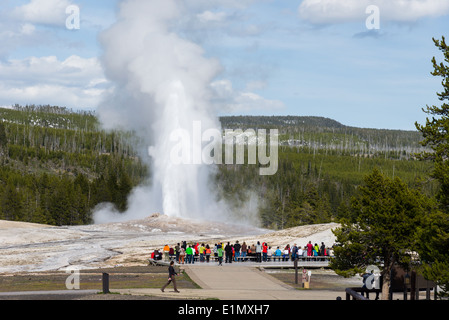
[161,84]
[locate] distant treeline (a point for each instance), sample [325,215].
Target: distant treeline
[327,134]
[313,187]
[321,164]
[58,164]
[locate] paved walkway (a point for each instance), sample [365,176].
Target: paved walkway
[236,282]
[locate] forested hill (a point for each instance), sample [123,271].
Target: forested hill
[58,164]
[321,164]
[325,133]
[278,122]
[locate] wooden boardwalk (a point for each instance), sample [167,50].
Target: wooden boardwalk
[303,262]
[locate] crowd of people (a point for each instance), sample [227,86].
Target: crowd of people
[259,252]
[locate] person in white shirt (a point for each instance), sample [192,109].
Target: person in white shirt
[269,253]
[300,252]
[258,252]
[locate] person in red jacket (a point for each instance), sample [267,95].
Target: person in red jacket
[196,250]
[309,249]
[264,251]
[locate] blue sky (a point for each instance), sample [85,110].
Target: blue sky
[278,57]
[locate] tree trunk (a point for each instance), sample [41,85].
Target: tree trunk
[386,276]
[386,286]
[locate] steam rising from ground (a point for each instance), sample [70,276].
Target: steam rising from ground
[162,84]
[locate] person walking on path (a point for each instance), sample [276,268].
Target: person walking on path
[171,277]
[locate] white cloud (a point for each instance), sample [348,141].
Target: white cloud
[234,101]
[18,34]
[340,11]
[20,25]
[46,12]
[209,16]
[237,4]
[27,29]
[256,85]
[74,82]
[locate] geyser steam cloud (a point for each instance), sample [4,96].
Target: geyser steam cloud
[162,84]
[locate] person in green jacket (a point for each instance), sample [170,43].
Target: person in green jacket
[220,254]
[189,253]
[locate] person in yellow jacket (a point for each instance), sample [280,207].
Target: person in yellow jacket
[202,250]
[317,250]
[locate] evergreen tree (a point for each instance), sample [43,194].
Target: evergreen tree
[435,238]
[382,227]
[11,203]
[3,138]
[436,129]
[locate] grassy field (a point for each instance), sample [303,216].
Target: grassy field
[119,278]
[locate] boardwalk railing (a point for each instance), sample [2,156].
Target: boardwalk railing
[312,261]
[354,294]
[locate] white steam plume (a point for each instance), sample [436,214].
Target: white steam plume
[162,84]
